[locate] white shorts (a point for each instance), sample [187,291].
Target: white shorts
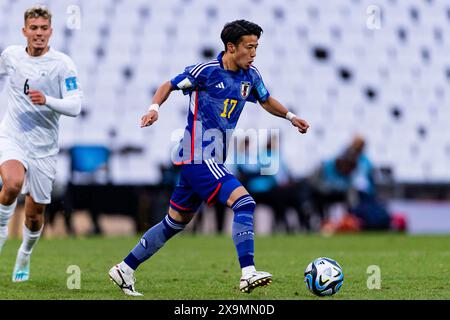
[40,173]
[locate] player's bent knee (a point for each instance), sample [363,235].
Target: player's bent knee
[236,194]
[38,211]
[34,208]
[244,203]
[179,217]
[12,188]
[33,218]
[34,212]
[34,222]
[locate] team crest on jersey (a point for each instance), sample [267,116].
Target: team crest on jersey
[43,73]
[245,89]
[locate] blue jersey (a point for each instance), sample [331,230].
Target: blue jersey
[217,98]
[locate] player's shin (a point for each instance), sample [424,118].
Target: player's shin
[152,241]
[5,214]
[30,238]
[243,235]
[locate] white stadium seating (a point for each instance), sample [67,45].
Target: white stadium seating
[126,48]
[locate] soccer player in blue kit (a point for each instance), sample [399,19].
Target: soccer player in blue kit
[218,91]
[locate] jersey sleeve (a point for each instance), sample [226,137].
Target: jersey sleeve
[259,91]
[189,80]
[3,71]
[69,80]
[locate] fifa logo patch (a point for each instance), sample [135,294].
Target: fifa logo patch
[245,89]
[144,243]
[71,84]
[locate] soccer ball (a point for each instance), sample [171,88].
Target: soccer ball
[324,277]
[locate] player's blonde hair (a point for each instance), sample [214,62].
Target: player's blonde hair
[38,11]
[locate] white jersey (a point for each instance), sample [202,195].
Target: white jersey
[35,127]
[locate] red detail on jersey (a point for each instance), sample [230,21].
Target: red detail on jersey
[179,207]
[211,198]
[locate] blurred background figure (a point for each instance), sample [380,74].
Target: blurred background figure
[367,207]
[331,182]
[349,179]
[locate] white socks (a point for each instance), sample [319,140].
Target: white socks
[125,268]
[29,239]
[5,214]
[247,270]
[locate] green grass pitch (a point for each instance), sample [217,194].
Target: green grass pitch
[205,267]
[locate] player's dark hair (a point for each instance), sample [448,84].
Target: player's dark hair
[38,11]
[233,31]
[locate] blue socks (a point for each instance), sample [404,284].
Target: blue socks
[243,236]
[153,240]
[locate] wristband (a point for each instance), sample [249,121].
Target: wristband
[154,107]
[290,116]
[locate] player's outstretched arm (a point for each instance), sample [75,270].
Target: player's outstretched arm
[274,107]
[160,96]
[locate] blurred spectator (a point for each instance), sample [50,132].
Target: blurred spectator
[331,183]
[348,179]
[363,176]
[371,212]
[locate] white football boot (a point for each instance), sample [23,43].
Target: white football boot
[22,268]
[124,281]
[253,280]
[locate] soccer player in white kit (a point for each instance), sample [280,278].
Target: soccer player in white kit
[42,85]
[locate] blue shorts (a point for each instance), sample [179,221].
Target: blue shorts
[206,182]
